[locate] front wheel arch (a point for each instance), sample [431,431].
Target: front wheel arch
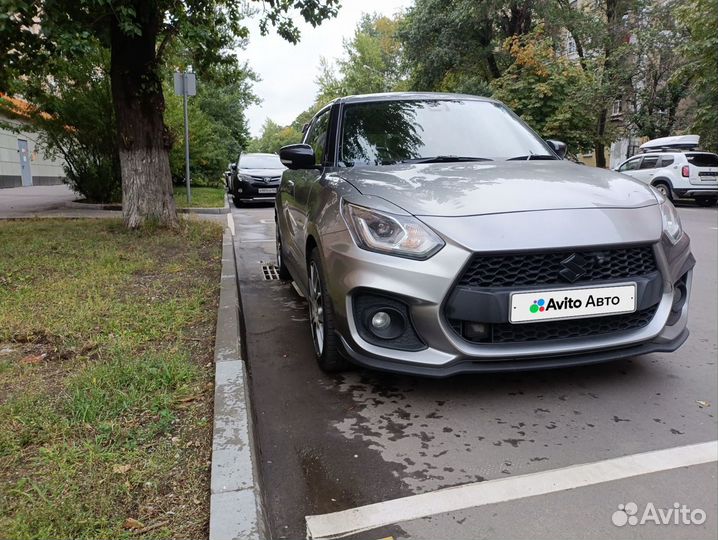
[661,181]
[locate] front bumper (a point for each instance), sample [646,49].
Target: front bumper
[470,365]
[425,285]
[711,191]
[251,191]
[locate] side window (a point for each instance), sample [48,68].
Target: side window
[649,162]
[631,165]
[666,161]
[317,135]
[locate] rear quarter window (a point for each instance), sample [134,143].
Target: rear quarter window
[666,161]
[703,160]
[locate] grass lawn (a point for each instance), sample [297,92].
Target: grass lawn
[106,379]
[202,197]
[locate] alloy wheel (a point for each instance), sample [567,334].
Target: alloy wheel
[316,308]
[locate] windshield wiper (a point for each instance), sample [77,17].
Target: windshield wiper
[444,159]
[533,156]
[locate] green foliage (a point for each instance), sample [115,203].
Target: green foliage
[454,45]
[659,83]
[273,137]
[137,35]
[372,62]
[699,19]
[547,90]
[75,119]
[211,146]
[372,58]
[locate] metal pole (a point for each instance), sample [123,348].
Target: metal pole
[186,139]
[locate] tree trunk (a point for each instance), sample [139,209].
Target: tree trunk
[599,146]
[144,140]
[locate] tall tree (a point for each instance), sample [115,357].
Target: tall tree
[659,83]
[548,90]
[613,68]
[455,45]
[273,137]
[137,33]
[699,18]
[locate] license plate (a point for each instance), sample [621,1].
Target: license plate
[551,305]
[266,190]
[711,178]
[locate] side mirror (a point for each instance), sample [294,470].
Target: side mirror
[298,156]
[559,147]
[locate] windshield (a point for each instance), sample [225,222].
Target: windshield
[387,132]
[260,161]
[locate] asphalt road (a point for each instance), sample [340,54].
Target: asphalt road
[329,443]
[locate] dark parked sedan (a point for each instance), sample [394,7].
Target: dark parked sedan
[255,177]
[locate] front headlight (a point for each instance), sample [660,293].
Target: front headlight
[403,236]
[671,222]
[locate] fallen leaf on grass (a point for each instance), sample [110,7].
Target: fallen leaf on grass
[151,527]
[187,399]
[132,523]
[121,469]
[33,359]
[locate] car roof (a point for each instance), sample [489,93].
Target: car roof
[407,96]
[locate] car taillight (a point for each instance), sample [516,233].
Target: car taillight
[685,171]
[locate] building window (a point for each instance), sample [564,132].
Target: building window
[617,107]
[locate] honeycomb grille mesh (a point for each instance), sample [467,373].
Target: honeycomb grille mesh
[574,328]
[487,271]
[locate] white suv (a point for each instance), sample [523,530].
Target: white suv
[677,174]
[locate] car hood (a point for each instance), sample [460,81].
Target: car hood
[465,189]
[264,173]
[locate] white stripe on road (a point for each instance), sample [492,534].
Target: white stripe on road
[363,518]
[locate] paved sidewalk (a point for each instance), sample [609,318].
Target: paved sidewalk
[27,201]
[57,202]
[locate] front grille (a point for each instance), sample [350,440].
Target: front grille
[526,269]
[266,179]
[555,330]
[499,275]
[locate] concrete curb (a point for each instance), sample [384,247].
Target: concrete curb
[115,206]
[235,501]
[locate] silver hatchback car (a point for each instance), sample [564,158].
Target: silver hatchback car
[437,234]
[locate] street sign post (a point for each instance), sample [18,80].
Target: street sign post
[186,85]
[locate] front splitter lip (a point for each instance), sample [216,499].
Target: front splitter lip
[470,365]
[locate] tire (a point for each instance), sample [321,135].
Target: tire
[321,320]
[235,195]
[706,201]
[282,269]
[665,190]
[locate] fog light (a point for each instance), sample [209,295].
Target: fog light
[381,320]
[474,331]
[385,322]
